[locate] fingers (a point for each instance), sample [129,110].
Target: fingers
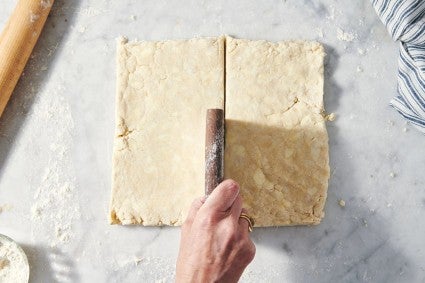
[196,205]
[236,209]
[223,197]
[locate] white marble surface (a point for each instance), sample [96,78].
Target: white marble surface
[56,144]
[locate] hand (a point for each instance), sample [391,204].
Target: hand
[215,245]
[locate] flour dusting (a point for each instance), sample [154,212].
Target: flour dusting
[55,209]
[345,36]
[145,269]
[45,4]
[213,154]
[34,17]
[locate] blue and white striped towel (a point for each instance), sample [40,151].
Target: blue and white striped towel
[405,20]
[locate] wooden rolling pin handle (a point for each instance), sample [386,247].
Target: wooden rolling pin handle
[214,149]
[17,41]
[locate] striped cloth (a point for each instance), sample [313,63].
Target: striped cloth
[405,20]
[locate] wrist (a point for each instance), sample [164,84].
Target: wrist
[195,275]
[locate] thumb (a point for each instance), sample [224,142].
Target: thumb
[223,196]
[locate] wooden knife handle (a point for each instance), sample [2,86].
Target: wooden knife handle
[214,149]
[17,41]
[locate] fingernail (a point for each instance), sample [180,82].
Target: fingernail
[232,186]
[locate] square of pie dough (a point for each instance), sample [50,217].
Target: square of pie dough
[276,139]
[164,89]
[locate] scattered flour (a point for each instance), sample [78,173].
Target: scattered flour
[34,17]
[13,262]
[215,153]
[90,11]
[137,260]
[125,268]
[52,49]
[319,32]
[55,209]
[45,4]
[81,29]
[345,36]
[361,51]
[331,15]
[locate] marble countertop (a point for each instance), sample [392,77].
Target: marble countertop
[57,131]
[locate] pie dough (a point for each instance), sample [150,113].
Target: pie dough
[164,89]
[276,139]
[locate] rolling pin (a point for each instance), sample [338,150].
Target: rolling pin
[214,149]
[17,41]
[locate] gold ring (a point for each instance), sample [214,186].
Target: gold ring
[249,219]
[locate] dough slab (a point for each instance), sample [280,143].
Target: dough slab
[164,89]
[276,139]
